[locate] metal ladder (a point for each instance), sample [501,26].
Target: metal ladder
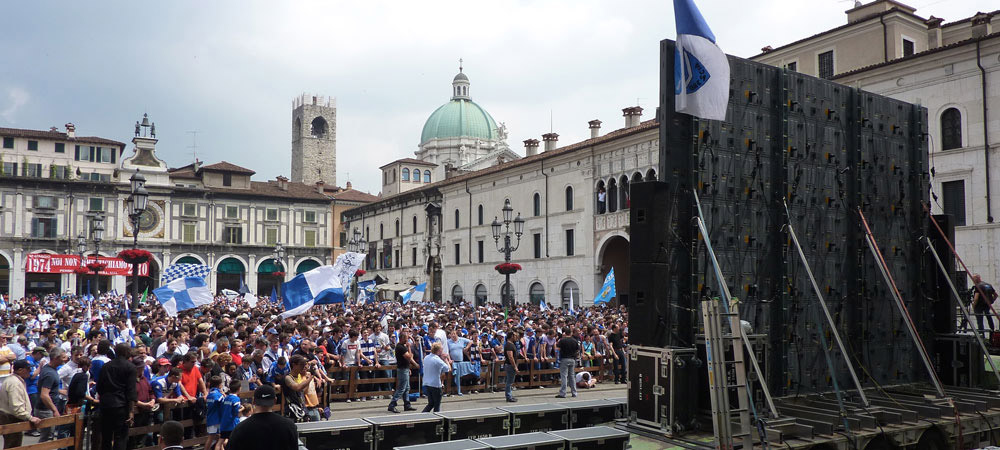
[717,340]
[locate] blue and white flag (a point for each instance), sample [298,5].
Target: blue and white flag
[183,294]
[415,293]
[319,286]
[366,291]
[608,290]
[543,305]
[571,311]
[701,70]
[3,304]
[175,271]
[274,294]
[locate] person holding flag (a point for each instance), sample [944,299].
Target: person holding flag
[608,290]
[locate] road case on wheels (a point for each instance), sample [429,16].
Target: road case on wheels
[346,434]
[662,388]
[475,423]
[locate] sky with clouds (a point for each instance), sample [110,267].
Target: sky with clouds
[230,69]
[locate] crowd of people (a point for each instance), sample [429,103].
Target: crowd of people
[64,354]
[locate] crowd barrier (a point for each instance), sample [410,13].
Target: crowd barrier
[354,383]
[350,383]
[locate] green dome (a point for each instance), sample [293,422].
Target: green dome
[459,118]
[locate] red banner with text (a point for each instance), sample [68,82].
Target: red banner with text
[46,263]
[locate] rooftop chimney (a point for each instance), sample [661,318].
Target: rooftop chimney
[70,130]
[981,24]
[348,185]
[530,147]
[633,115]
[934,36]
[282,183]
[595,128]
[766,49]
[550,141]
[319,186]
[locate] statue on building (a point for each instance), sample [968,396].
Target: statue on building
[137,128]
[502,132]
[152,130]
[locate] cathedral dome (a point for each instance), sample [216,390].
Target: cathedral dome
[460,117]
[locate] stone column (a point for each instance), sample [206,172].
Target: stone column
[17,275]
[252,272]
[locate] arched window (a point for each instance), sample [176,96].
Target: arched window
[406,174]
[457,217]
[513,293]
[637,177]
[612,195]
[601,197]
[318,128]
[651,175]
[480,213]
[951,129]
[414,224]
[381,234]
[481,295]
[623,193]
[570,292]
[427,176]
[457,295]
[297,131]
[536,202]
[569,198]
[397,227]
[536,293]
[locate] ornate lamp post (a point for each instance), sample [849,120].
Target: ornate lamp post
[97,234]
[135,205]
[357,244]
[81,248]
[503,230]
[278,256]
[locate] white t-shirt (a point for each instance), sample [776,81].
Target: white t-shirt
[441,337]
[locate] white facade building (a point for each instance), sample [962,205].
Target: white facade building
[440,233]
[54,184]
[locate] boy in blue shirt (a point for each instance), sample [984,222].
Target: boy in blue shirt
[231,409]
[278,370]
[213,410]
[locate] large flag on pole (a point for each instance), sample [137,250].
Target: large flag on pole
[415,293]
[182,294]
[571,311]
[274,294]
[701,70]
[608,290]
[322,285]
[366,292]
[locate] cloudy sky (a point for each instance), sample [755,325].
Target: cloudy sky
[229,70]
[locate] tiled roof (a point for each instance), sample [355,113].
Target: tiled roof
[409,161]
[56,136]
[297,191]
[225,166]
[917,55]
[351,195]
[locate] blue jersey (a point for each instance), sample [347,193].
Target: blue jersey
[32,382]
[275,372]
[213,407]
[230,412]
[368,349]
[162,387]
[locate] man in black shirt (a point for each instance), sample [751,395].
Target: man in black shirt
[404,361]
[264,430]
[117,395]
[617,353]
[510,364]
[982,301]
[568,350]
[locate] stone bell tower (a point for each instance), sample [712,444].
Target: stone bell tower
[314,140]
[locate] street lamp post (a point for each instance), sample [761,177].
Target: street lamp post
[356,245]
[278,257]
[508,246]
[81,249]
[98,236]
[135,205]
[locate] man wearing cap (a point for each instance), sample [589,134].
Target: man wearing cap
[14,403]
[264,430]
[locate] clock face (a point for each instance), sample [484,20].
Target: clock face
[149,220]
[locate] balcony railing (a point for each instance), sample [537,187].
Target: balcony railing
[611,221]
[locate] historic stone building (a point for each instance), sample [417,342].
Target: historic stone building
[951,68]
[438,230]
[55,183]
[314,140]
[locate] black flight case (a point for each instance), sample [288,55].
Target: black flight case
[346,434]
[405,429]
[475,423]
